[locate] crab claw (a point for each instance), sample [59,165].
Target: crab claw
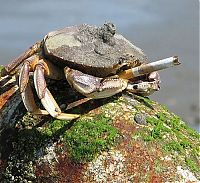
[146,85]
[143,88]
[26,91]
[155,77]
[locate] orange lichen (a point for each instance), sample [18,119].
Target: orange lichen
[67,170]
[4,97]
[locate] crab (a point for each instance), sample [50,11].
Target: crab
[94,60]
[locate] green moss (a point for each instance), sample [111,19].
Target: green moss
[173,146]
[144,100]
[174,123]
[161,116]
[55,127]
[148,138]
[185,143]
[165,108]
[158,130]
[192,165]
[174,136]
[191,132]
[140,134]
[85,138]
[88,137]
[158,166]
[1,67]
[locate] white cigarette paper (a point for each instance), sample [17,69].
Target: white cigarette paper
[155,66]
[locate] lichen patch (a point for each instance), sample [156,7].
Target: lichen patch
[107,167]
[186,175]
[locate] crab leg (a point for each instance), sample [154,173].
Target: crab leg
[26,91]
[10,68]
[77,103]
[45,95]
[29,103]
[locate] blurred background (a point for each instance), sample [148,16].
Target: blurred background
[161,28]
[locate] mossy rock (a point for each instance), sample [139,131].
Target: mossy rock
[1,67]
[125,138]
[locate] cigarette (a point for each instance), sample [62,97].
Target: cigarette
[155,66]
[150,67]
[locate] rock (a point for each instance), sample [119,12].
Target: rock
[10,101]
[105,144]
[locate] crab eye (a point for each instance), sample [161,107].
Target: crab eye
[120,61]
